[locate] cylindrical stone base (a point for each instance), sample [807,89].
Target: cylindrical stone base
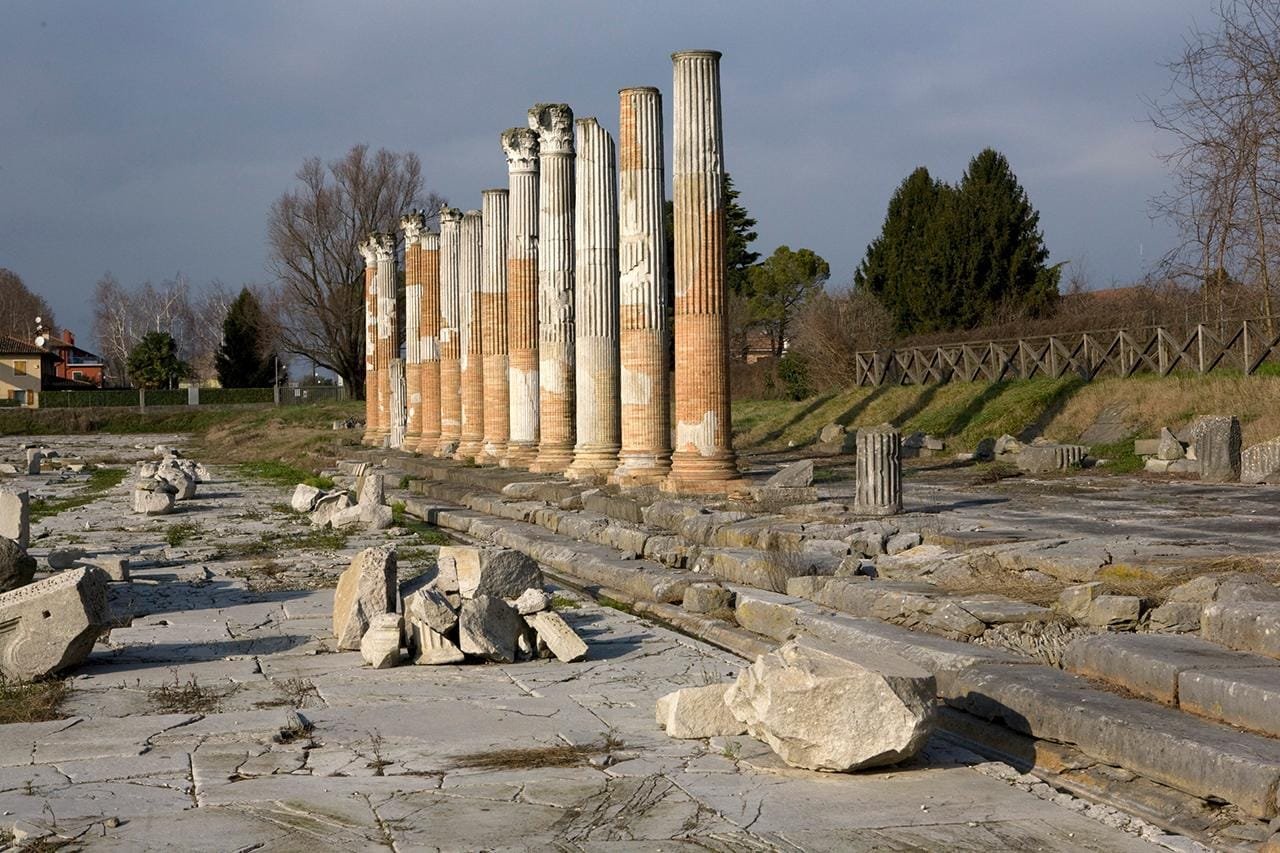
[878,477]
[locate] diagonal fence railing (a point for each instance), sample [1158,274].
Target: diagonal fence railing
[1244,346]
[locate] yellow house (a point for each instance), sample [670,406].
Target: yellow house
[24,369]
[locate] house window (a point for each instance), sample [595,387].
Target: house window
[21,397]
[77,375]
[20,368]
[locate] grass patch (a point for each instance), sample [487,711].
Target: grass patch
[31,702]
[397,512]
[188,698]
[101,480]
[560,755]
[282,474]
[1120,457]
[176,534]
[276,542]
[559,602]
[614,604]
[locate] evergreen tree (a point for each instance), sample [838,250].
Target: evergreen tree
[780,286]
[154,362]
[739,235]
[245,359]
[956,257]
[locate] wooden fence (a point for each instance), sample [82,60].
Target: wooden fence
[1114,352]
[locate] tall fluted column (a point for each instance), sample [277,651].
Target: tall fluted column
[388,333]
[554,123]
[429,329]
[595,277]
[370,256]
[470,268]
[520,144]
[450,368]
[493,326]
[644,267]
[413,224]
[703,461]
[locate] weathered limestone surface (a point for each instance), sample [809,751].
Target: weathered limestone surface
[493,326]
[595,455]
[388,345]
[470,269]
[15,517]
[1250,626]
[698,712]
[554,124]
[1042,458]
[304,498]
[489,628]
[450,326]
[828,708]
[398,404]
[413,225]
[645,384]
[366,589]
[51,624]
[878,478]
[500,572]
[153,497]
[368,253]
[703,460]
[429,346]
[1260,462]
[520,144]
[16,567]
[556,635]
[380,645]
[1216,440]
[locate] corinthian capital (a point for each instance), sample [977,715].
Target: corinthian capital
[521,147]
[554,123]
[450,216]
[368,250]
[413,224]
[385,245]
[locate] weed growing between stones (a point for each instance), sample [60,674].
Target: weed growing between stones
[188,698]
[31,702]
[559,602]
[293,693]
[986,473]
[613,603]
[100,481]
[177,534]
[282,474]
[560,755]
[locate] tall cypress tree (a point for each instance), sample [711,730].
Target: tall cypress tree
[245,359]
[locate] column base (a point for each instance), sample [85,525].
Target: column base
[694,474]
[552,460]
[876,511]
[641,469]
[519,455]
[491,453]
[593,464]
[467,449]
[445,448]
[427,444]
[411,442]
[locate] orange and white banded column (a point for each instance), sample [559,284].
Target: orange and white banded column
[644,334]
[413,225]
[703,461]
[520,144]
[370,257]
[450,366]
[554,124]
[429,331]
[595,454]
[493,325]
[388,346]
[472,357]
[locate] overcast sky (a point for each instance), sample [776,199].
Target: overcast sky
[148,138]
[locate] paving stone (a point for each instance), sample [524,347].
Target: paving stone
[1247,626]
[698,712]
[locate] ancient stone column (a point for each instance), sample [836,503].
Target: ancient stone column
[470,268]
[390,421]
[878,471]
[642,258]
[595,276]
[493,325]
[429,329]
[703,461]
[370,256]
[520,144]
[450,366]
[554,123]
[413,224]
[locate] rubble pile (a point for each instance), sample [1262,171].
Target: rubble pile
[159,485]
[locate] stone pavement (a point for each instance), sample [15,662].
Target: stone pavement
[217,717]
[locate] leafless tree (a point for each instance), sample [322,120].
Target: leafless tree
[314,232]
[19,308]
[1223,113]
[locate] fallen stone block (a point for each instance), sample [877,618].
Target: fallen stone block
[707,598]
[183,483]
[64,558]
[1250,626]
[347,518]
[431,648]
[1117,612]
[1042,458]
[304,498]
[698,712]
[425,603]
[499,572]
[952,618]
[900,542]
[371,490]
[1257,463]
[115,566]
[826,708]
[1076,599]
[328,506]
[34,457]
[380,645]
[556,635]
[1146,446]
[532,601]
[16,567]
[52,624]
[365,590]
[1216,440]
[153,497]
[1247,696]
[1175,617]
[489,629]
[1168,447]
[15,517]
[376,516]
[796,475]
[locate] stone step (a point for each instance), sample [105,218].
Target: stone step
[1250,626]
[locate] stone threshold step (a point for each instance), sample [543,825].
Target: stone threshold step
[1193,674]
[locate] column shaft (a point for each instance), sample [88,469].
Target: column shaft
[472,368]
[595,454]
[370,258]
[521,147]
[450,377]
[413,225]
[878,471]
[554,123]
[703,461]
[429,327]
[390,420]
[644,333]
[493,326]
